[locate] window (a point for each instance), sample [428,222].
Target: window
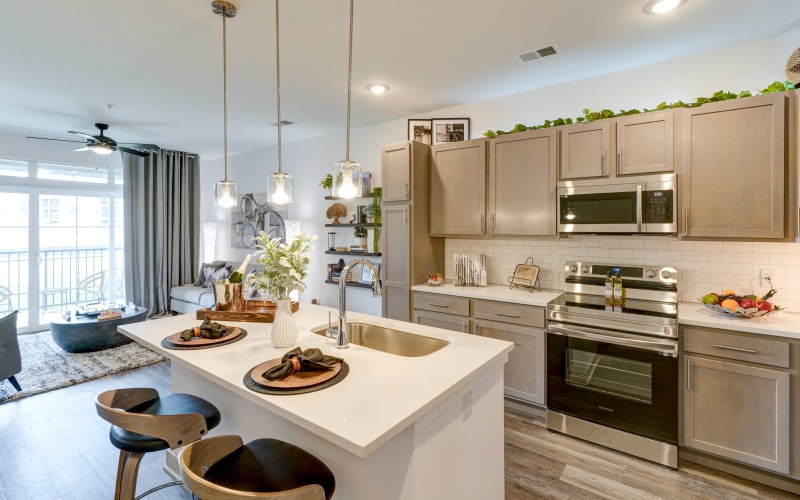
[49,210]
[13,168]
[70,173]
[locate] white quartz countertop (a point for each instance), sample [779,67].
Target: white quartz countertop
[499,293]
[785,324]
[382,395]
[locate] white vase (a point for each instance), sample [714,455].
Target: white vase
[284,329]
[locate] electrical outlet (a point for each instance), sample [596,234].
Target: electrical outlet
[767,277]
[466,405]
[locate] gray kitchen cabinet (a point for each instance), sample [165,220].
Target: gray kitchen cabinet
[458,188]
[444,321]
[734,167]
[585,148]
[737,411]
[522,183]
[525,370]
[645,143]
[409,252]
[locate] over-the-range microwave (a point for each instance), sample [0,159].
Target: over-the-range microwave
[630,205]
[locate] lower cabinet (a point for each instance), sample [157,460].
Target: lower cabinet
[521,324]
[732,407]
[524,374]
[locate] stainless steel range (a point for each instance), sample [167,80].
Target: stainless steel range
[612,369]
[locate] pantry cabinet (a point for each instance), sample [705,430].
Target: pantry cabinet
[734,168]
[458,188]
[522,183]
[396,171]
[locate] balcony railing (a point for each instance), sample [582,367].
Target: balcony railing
[66,278]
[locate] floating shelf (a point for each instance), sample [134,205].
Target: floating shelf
[362,224]
[351,283]
[362,197]
[367,254]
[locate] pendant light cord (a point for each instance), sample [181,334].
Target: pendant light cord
[225,88]
[278,59]
[349,82]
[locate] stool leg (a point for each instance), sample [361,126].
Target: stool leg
[127,472]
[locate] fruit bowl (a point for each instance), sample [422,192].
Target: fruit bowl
[435,279]
[740,306]
[742,313]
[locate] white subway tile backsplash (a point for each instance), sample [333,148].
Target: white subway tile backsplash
[703,266]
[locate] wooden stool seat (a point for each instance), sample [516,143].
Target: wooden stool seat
[168,404]
[222,468]
[142,421]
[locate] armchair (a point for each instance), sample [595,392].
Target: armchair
[10,359]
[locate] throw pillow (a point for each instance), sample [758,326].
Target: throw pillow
[201,276]
[212,274]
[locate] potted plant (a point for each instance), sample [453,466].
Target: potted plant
[361,236]
[370,213]
[327,182]
[377,195]
[285,268]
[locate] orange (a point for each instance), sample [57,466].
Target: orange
[730,304]
[726,292]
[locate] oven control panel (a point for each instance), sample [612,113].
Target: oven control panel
[653,274]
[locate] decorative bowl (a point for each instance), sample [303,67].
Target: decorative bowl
[742,313]
[435,279]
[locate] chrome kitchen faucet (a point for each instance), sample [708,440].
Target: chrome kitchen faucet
[342,341]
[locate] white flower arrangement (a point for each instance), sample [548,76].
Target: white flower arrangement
[285,264]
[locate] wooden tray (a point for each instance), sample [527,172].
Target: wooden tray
[295,380]
[175,339]
[251,314]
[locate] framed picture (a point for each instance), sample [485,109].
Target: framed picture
[419,130]
[449,130]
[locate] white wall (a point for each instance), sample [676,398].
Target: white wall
[749,66]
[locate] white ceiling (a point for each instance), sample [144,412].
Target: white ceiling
[159,62]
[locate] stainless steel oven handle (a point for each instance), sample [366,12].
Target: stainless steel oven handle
[670,347]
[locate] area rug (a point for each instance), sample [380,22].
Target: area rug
[45,366]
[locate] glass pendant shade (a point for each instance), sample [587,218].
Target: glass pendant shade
[279,189]
[346,179]
[225,194]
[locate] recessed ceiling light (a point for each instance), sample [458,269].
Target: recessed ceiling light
[377,88]
[662,6]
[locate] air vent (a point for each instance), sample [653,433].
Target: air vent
[283,123]
[535,54]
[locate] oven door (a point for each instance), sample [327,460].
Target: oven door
[615,208]
[623,381]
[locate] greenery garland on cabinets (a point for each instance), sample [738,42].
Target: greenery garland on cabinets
[590,116]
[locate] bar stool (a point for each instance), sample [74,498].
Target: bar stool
[223,468]
[143,422]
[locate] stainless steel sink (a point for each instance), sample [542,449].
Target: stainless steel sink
[389,340]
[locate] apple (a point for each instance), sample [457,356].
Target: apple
[765,306]
[748,304]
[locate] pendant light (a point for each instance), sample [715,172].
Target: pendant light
[224,190]
[279,185]
[346,173]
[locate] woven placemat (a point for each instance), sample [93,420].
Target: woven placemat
[166,344]
[256,387]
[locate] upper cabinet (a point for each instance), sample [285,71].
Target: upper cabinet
[458,188]
[645,143]
[734,168]
[396,173]
[522,183]
[584,150]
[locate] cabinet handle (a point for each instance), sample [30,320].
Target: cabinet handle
[483,229]
[436,304]
[492,222]
[405,215]
[507,315]
[603,164]
[517,344]
[406,189]
[618,153]
[739,349]
[688,374]
[685,222]
[465,327]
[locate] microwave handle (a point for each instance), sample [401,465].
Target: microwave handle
[639,207]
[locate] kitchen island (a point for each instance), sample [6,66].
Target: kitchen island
[396,427]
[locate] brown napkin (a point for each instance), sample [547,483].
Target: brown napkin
[207,330]
[298,360]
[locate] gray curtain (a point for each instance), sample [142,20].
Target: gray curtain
[161,204]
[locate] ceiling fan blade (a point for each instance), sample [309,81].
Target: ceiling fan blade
[90,137]
[83,149]
[133,151]
[137,145]
[51,139]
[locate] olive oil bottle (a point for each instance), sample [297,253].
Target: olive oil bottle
[619,291]
[609,292]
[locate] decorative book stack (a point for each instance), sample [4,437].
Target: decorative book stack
[469,270]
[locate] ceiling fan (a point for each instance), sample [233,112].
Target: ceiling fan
[104,145]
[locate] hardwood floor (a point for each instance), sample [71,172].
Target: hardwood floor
[54,446]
